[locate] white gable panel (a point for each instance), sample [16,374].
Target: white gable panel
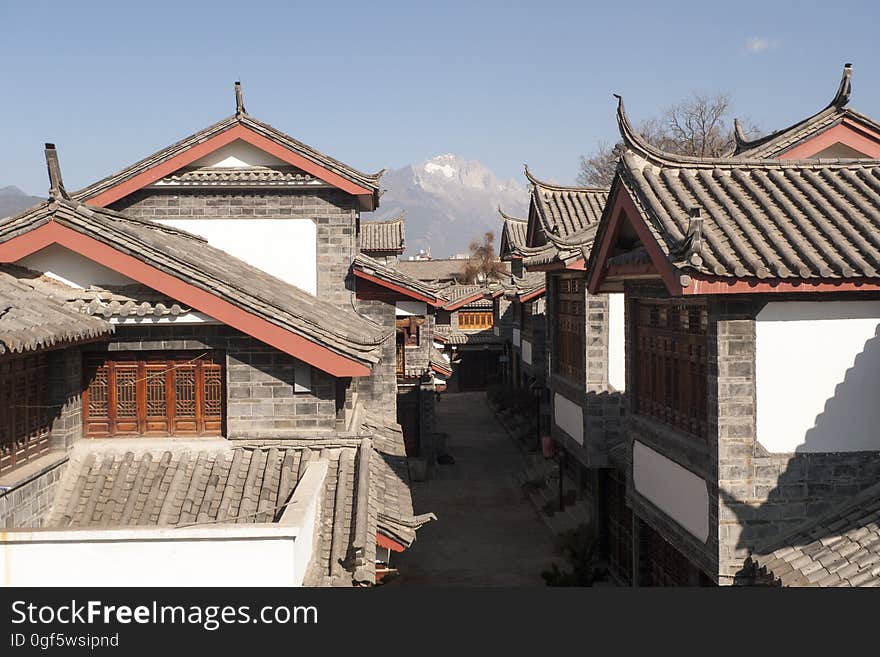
[71,268]
[238,154]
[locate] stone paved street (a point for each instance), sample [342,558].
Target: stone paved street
[487,533]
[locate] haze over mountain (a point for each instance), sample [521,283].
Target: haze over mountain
[448,201]
[13,201]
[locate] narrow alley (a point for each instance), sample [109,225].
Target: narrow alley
[487,533]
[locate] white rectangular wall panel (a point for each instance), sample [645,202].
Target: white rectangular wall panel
[527,352]
[675,490]
[285,248]
[408,308]
[569,417]
[817,376]
[516,337]
[616,342]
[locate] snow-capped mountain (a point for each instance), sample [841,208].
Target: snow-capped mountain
[448,201]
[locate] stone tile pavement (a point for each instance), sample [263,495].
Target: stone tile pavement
[487,532]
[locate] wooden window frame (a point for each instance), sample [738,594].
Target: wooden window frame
[207,417]
[25,412]
[569,329]
[475,320]
[671,356]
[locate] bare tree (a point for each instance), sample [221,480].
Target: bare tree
[700,125]
[482,265]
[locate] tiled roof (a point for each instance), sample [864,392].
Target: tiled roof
[193,260]
[383,236]
[438,361]
[394,276]
[254,176]
[530,282]
[174,482]
[568,215]
[840,549]
[757,218]
[124,301]
[513,236]
[834,113]
[433,270]
[32,318]
[449,335]
[368,181]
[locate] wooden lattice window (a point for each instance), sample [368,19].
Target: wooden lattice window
[570,327]
[25,413]
[664,565]
[475,320]
[153,394]
[671,363]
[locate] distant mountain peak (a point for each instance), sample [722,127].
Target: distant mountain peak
[11,190]
[448,201]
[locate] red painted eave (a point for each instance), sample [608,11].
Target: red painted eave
[193,153]
[717,285]
[397,288]
[215,306]
[532,295]
[389,543]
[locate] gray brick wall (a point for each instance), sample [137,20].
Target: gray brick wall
[762,496]
[334,212]
[380,388]
[28,504]
[261,402]
[602,409]
[755,496]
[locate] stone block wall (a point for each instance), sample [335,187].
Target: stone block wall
[260,380]
[27,504]
[65,396]
[380,388]
[333,211]
[762,495]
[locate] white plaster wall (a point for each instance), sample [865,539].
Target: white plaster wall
[238,154]
[527,352]
[616,342]
[516,337]
[151,557]
[817,376]
[407,308]
[71,268]
[676,491]
[276,554]
[569,417]
[285,248]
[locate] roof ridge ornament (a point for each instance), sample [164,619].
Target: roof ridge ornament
[691,246]
[56,184]
[239,100]
[841,98]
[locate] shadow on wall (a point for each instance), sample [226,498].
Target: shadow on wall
[851,418]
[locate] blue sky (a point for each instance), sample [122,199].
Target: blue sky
[383,84]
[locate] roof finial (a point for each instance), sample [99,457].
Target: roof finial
[239,99]
[692,245]
[841,98]
[56,185]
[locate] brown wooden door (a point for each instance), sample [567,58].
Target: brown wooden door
[153,394]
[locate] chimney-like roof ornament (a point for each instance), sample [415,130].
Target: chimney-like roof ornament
[56,184]
[239,100]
